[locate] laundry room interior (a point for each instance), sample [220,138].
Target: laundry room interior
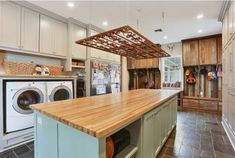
[117,79]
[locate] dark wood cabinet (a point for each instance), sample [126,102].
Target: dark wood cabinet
[130,63]
[142,63]
[208,51]
[219,50]
[190,53]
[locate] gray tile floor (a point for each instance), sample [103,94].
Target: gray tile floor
[23,151]
[197,135]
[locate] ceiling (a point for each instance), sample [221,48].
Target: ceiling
[180,17]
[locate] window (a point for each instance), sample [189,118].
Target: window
[172,71]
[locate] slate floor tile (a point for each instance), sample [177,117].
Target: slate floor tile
[7,154]
[21,150]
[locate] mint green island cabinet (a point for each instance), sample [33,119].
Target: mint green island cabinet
[78,128]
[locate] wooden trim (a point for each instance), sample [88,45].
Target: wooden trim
[200,38]
[124,41]
[202,98]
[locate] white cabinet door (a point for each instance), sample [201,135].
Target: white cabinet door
[232,95]
[77,33]
[157,131]
[60,38]
[113,57]
[9,25]
[29,30]
[46,35]
[164,123]
[168,119]
[148,133]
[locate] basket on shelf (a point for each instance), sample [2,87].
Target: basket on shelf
[55,70]
[18,68]
[21,68]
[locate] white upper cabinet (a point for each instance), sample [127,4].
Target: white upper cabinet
[53,36]
[60,38]
[46,35]
[77,33]
[114,57]
[10,25]
[29,30]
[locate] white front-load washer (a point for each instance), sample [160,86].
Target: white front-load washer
[59,90]
[19,96]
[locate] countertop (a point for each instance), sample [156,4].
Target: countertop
[34,76]
[101,115]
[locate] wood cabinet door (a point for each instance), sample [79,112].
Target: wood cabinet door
[190,53]
[208,105]
[219,50]
[140,63]
[76,33]
[130,63]
[60,38]
[29,30]
[152,63]
[10,25]
[207,51]
[46,35]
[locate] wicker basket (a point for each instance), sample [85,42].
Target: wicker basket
[19,68]
[55,70]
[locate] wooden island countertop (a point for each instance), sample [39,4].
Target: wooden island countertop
[101,115]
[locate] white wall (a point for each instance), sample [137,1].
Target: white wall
[177,52]
[125,75]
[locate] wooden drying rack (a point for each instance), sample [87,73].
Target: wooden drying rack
[124,41]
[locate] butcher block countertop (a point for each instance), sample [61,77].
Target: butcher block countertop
[101,115]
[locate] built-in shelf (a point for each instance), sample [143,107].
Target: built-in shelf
[76,66]
[128,152]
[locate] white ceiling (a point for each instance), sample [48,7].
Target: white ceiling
[180,16]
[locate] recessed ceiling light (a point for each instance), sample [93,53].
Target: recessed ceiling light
[165,37]
[200,16]
[104,23]
[199,31]
[70,4]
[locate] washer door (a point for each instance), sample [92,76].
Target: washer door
[61,93]
[25,97]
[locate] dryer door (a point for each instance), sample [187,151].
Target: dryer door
[61,93]
[25,97]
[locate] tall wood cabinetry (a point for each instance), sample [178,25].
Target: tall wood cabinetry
[144,73]
[201,58]
[228,59]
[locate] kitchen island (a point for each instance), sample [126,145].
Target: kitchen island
[78,128]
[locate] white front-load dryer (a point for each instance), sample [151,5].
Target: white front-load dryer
[19,96]
[59,90]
